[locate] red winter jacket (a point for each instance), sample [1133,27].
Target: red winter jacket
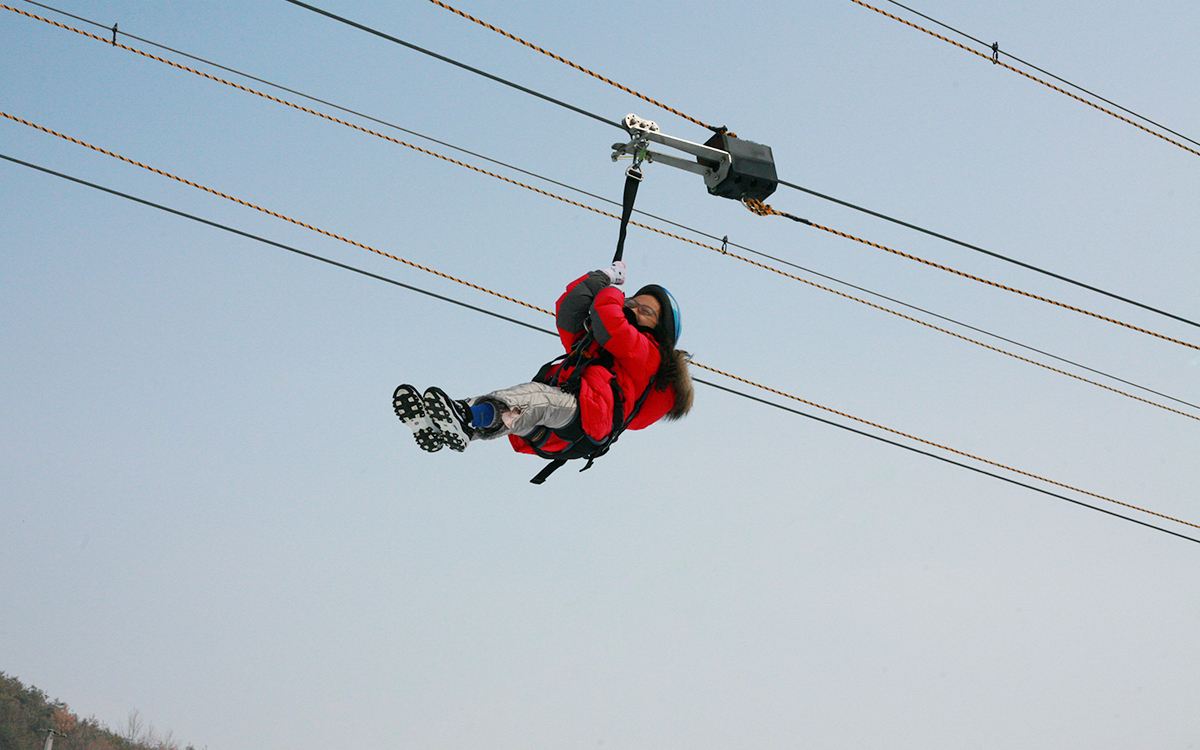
[635,360]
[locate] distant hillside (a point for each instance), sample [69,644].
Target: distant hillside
[27,715]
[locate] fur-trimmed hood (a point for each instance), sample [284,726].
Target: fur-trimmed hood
[679,378]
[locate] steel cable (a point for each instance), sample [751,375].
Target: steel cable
[710,369]
[723,251]
[995,60]
[589,114]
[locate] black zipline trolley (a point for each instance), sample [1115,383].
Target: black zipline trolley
[732,168]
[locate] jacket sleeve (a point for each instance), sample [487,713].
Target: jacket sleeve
[576,304]
[615,333]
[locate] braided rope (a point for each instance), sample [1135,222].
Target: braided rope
[940,446]
[763,209]
[939,329]
[269,212]
[996,285]
[580,68]
[995,59]
[756,206]
[548,312]
[722,250]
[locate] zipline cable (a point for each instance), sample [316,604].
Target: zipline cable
[510,299]
[996,50]
[969,246]
[315,113]
[814,193]
[945,459]
[580,68]
[248,76]
[995,59]
[761,208]
[933,444]
[267,211]
[631,184]
[464,66]
[923,311]
[990,253]
[316,99]
[305,253]
[730,390]
[724,241]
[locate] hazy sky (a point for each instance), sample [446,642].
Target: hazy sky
[211,515]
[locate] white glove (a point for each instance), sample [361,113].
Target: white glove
[615,273]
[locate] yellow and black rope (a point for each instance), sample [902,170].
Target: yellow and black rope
[477,287]
[578,67]
[994,58]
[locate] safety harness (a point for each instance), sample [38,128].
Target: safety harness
[579,443]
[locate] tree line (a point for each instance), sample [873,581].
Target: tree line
[28,717]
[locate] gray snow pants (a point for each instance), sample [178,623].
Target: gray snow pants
[525,407]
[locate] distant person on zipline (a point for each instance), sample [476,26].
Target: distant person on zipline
[621,370]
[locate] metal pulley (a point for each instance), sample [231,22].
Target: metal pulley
[731,167]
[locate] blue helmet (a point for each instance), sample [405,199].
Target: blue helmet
[670,325]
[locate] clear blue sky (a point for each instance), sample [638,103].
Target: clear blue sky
[212,516]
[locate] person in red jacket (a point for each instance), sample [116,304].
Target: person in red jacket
[621,370]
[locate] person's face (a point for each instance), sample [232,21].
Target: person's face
[645,309]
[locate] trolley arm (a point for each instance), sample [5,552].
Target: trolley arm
[710,163]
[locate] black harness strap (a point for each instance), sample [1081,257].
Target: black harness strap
[633,178]
[576,360]
[580,444]
[547,470]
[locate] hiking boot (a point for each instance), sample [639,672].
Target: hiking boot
[410,407]
[452,418]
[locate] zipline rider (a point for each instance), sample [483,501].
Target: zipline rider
[621,371]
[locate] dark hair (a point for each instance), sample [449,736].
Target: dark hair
[672,366]
[673,373]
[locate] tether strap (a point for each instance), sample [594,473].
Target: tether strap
[547,470]
[632,179]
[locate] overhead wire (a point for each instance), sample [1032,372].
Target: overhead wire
[929,454]
[923,440]
[248,204]
[314,256]
[995,59]
[533,307]
[728,375]
[817,195]
[265,82]
[760,207]
[997,50]
[580,68]
[318,100]
[768,209]
[723,251]
[314,112]
[464,66]
[990,253]
[725,242]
